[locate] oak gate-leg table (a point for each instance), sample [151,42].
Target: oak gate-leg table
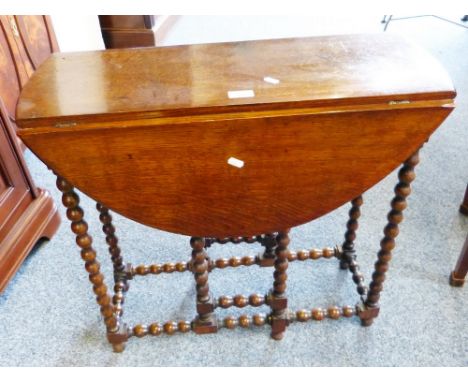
[234,142]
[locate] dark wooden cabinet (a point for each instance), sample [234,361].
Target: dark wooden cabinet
[27,213]
[14,189]
[134,31]
[119,31]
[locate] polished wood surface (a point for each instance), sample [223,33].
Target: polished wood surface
[194,79]
[27,213]
[297,168]
[153,143]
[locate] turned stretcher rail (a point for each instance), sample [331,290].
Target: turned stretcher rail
[245,321]
[235,261]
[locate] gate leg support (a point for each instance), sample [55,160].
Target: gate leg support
[267,258]
[350,235]
[402,190]
[206,321]
[277,298]
[116,330]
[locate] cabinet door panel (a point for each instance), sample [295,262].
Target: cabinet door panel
[35,37]
[9,80]
[14,190]
[25,43]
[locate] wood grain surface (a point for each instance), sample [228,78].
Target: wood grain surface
[194,79]
[150,133]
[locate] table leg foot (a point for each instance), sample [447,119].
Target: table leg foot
[278,325]
[118,348]
[277,336]
[367,313]
[367,322]
[205,326]
[119,338]
[455,281]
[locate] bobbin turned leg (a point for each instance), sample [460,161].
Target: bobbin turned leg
[348,255]
[122,271]
[206,321]
[116,331]
[370,307]
[267,258]
[350,235]
[277,298]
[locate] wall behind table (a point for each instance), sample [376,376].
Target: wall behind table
[77,32]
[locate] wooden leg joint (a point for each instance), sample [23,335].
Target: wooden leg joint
[206,325]
[205,307]
[455,281]
[346,256]
[279,322]
[267,258]
[264,260]
[277,302]
[367,314]
[125,274]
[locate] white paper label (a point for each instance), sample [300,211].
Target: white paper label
[271,80]
[236,162]
[241,94]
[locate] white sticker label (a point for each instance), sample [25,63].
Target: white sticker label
[241,94]
[271,80]
[236,162]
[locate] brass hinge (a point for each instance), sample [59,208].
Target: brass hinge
[65,124]
[398,102]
